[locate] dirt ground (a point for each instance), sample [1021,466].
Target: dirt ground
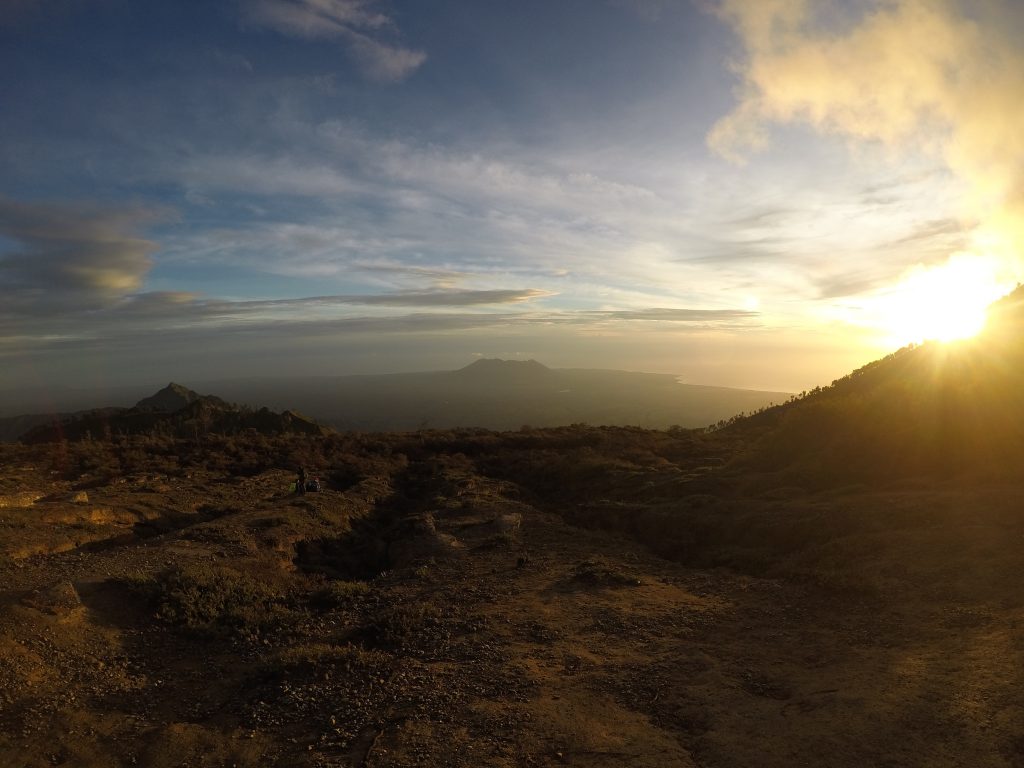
[438,616]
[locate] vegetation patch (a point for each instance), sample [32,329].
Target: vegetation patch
[341,594]
[213,598]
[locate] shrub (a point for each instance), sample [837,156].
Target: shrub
[206,597]
[141,586]
[337,594]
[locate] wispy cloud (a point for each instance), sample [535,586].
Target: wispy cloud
[147,321]
[447,298]
[680,315]
[155,314]
[74,255]
[440,276]
[263,175]
[422,298]
[356,24]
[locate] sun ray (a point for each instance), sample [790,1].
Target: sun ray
[946,303]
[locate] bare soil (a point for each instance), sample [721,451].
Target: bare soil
[443,615]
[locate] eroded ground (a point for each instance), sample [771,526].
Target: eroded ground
[438,613]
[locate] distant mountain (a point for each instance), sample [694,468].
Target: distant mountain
[173,411]
[173,398]
[932,409]
[500,394]
[488,393]
[505,373]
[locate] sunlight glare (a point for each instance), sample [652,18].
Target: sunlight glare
[941,303]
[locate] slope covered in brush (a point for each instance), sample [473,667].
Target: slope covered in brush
[935,408]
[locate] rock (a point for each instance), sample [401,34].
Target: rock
[81,497]
[60,599]
[24,499]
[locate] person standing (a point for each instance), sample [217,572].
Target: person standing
[300,485]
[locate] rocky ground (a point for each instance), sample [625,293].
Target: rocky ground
[440,614]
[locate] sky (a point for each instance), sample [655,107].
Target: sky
[752,193]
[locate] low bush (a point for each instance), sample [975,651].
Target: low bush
[338,594]
[212,598]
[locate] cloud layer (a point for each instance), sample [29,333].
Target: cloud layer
[544,186]
[940,76]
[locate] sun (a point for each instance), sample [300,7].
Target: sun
[942,303]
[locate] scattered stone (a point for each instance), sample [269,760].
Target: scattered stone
[60,599]
[24,499]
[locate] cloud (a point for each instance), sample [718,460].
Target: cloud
[447,298]
[317,18]
[678,315]
[353,197]
[422,298]
[262,175]
[944,230]
[383,62]
[354,23]
[937,76]
[156,316]
[439,275]
[76,256]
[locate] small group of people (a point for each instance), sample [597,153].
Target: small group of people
[303,485]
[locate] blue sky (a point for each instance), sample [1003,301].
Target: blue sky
[203,189]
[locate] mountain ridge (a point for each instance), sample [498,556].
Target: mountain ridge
[490,393]
[174,411]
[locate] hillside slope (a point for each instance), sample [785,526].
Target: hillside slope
[932,409]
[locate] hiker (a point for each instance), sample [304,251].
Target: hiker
[314,485]
[300,485]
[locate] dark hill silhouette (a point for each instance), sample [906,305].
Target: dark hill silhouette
[174,411]
[173,398]
[930,409]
